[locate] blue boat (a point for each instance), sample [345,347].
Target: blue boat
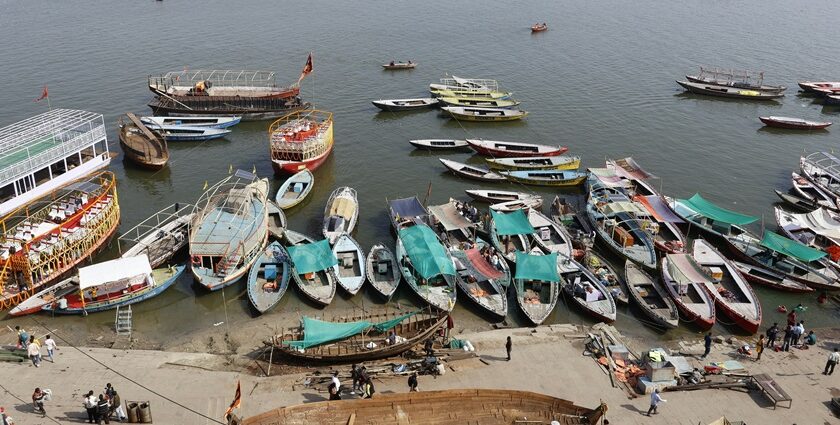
[183,133]
[269,277]
[208,122]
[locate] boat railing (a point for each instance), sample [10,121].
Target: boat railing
[218,77]
[154,223]
[734,75]
[483,82]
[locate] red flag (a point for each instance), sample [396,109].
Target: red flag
[44,94]
[237,400]
[307,69]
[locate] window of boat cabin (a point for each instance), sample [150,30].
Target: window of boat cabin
[25,184]
[58,168]
[7,192]
[42,176]
[100,147]
[87,154]
[73,161]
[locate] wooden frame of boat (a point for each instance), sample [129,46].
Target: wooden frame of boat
[484,114]
[615,283]
[603,309]
[471,172]
[395,105]
[393,66]
[249,108]
[211,122]
[518,204]
[808,190]
[440,144]
[351,270]
[535,163]
[276,220]
[383,272]
[447,407]
[478,102]
[311,284]
[502,149]
[414,329]
[691,298]
[727,91]
[743,79]
[288,195]
[495,196]
[791,123]
[142,146]
[337,218]
[650,297]
[557,178]
[262,294]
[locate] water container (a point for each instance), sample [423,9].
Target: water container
[145,413]
[132,413]
[62,304]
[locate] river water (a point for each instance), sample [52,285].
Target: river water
[601,81]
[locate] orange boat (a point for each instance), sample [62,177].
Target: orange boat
[300,140]
[539,27]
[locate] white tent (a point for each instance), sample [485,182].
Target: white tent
[113,271]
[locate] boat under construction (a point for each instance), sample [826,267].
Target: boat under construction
[300,140]
[141,145]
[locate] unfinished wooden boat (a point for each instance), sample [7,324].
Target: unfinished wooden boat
[496,196]
[350,269]
[142,146]
[394,66]
[587,292]
[555,178]
[812,86]
[383,272]
[427,266]
[182,133]
[249,108]
[465,113]
[341,213]
[685,282]
[357,339]
[537,283]
[269,277]
[796,202]
[448,407]
[397,105]
[478,102]
[727,287]
[500,149]
[300,140]
[516,204]
[160,236]
[727,91]
[650,297]
[211,122]
[742,79]
[312,267]
[295,189]
[607,275]
[470,172]
[440,144]
[535,163]
[793,123]
[539,27]
[615,219]
[770,278]
[276,220]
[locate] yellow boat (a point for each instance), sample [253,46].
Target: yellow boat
[546,177]
[484,114]
[479,102]
[535,163]
[492,94]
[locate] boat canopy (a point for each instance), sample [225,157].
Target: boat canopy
[630,169]
[627,207]
[482,266]
[820,222]
[449,217]
[607,177]
[426,252]
[114,271]
[512,223]
[537,267]
[657,208]
[407,207]
[317,332]
[313,257]
[716,213]
[790,247]
[684,270]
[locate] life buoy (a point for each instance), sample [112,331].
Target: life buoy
[196,260]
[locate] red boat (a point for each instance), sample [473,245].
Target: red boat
[300,140]
[499,149]
[539,27]
[814,86]
[794,123]
[769,278]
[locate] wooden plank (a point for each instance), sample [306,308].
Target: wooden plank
[352,419]
[141,126]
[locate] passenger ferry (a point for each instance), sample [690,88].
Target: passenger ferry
[40,154]
[300,140]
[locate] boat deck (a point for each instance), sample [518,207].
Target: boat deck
[221,230]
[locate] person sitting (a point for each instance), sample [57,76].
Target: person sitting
[811,338]
[392,338]
[392,63]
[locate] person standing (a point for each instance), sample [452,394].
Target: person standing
[336,382]
[655,400]
[791,317]
[116,406]
[369,390]
[759,347]
[508,347]
[102,409]
[51,347]
[797,331]
[412,383]
[89,404]
[707,343]
[833,359]
[772,334]
[787,338]
[33,350]
[354,375]
[23,337]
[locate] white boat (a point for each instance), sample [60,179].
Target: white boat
[496,196]
[394,105]
[439,144]
[209,122]
[295,189]
[484,114]
[517,204]
[350,269]
[341,213]
[551,238]
[457,83]
[160,236]
[182,133]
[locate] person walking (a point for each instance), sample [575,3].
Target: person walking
[787,338]
[38,401]
[102,409]
[508,347]
[655,400]
[33,350]
[116,406]
[369,390]
[707,343]
[89,404]
[772,334]
[354,375]
[759,347]
[412,383]
[51,347]
[23,337]
[833,359]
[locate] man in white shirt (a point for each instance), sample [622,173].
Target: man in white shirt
[336,382]
[655,399]
[51,347]
[33,350]
[833,359]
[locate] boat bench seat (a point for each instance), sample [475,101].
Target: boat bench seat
[382,267]
[771,389]
[347,261]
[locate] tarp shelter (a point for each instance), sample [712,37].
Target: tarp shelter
[607,177]
[630,169]
[317,332]
[407,207]
[537,267]
[790,247]
[512,223]
[821,222]
[114,271]
[449,217]
[343,207]
[716,213]
[313,257]
[625,207]
[657,208]
[427,254]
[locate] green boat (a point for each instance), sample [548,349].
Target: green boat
[479,102]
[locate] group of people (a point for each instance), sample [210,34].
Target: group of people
[103,408]
[492,257]
[33,346]
[469,211]
[362,383]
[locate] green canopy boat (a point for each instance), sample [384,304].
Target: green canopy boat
[427,266]
[312,269]
[537,284]
[509,233]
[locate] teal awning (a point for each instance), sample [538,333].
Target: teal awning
[790,247]
[312,257]
[716,213]
[427,254]
[513,223]
[317,332]
[537,267]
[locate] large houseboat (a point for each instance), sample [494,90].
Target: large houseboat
[300,140]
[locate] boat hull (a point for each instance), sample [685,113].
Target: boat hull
[293,167]
[768,121]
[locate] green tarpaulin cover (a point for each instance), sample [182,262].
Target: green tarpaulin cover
[716,213]
[427,254]
[790,247]
[537,267]
[513,223]
[312,257]
[317,332]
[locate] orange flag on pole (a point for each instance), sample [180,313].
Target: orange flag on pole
[45,94]
[307,69]
[237,400]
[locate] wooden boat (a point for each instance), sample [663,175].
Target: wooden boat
[448,407]
[318,285]
[341,213]
[822,170]
[440,144]
[769,278]
[810,191]
[741,79]
[812,86]
[495,196]
[650,297]
[396,105]
[831,99]
[406,212]
[182,133]
[565,215]
[818,229]
[467,93]
[229,229]
[269,277]
[392,66]
[478,102]
[539,27]
[383,273]
[249,108]
[142,146]
[550,237]
[588,293]
[727,287]
[276,220]
[607,275]
[537,297]
[727,91]
[357,339]
[215,83]
[793,123]
[499,149]
[507,245]
[484,114]
[45,239]
[685,283]
[796,202]
[108,285]
[535,163]
[351,267]
[300,140]
[826,91]
[546,177]
[211,122]
[427,251]
[524,204]
[483,284]
[470,172]
[458,83]
[159,237]
[616,221]
[294,190]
